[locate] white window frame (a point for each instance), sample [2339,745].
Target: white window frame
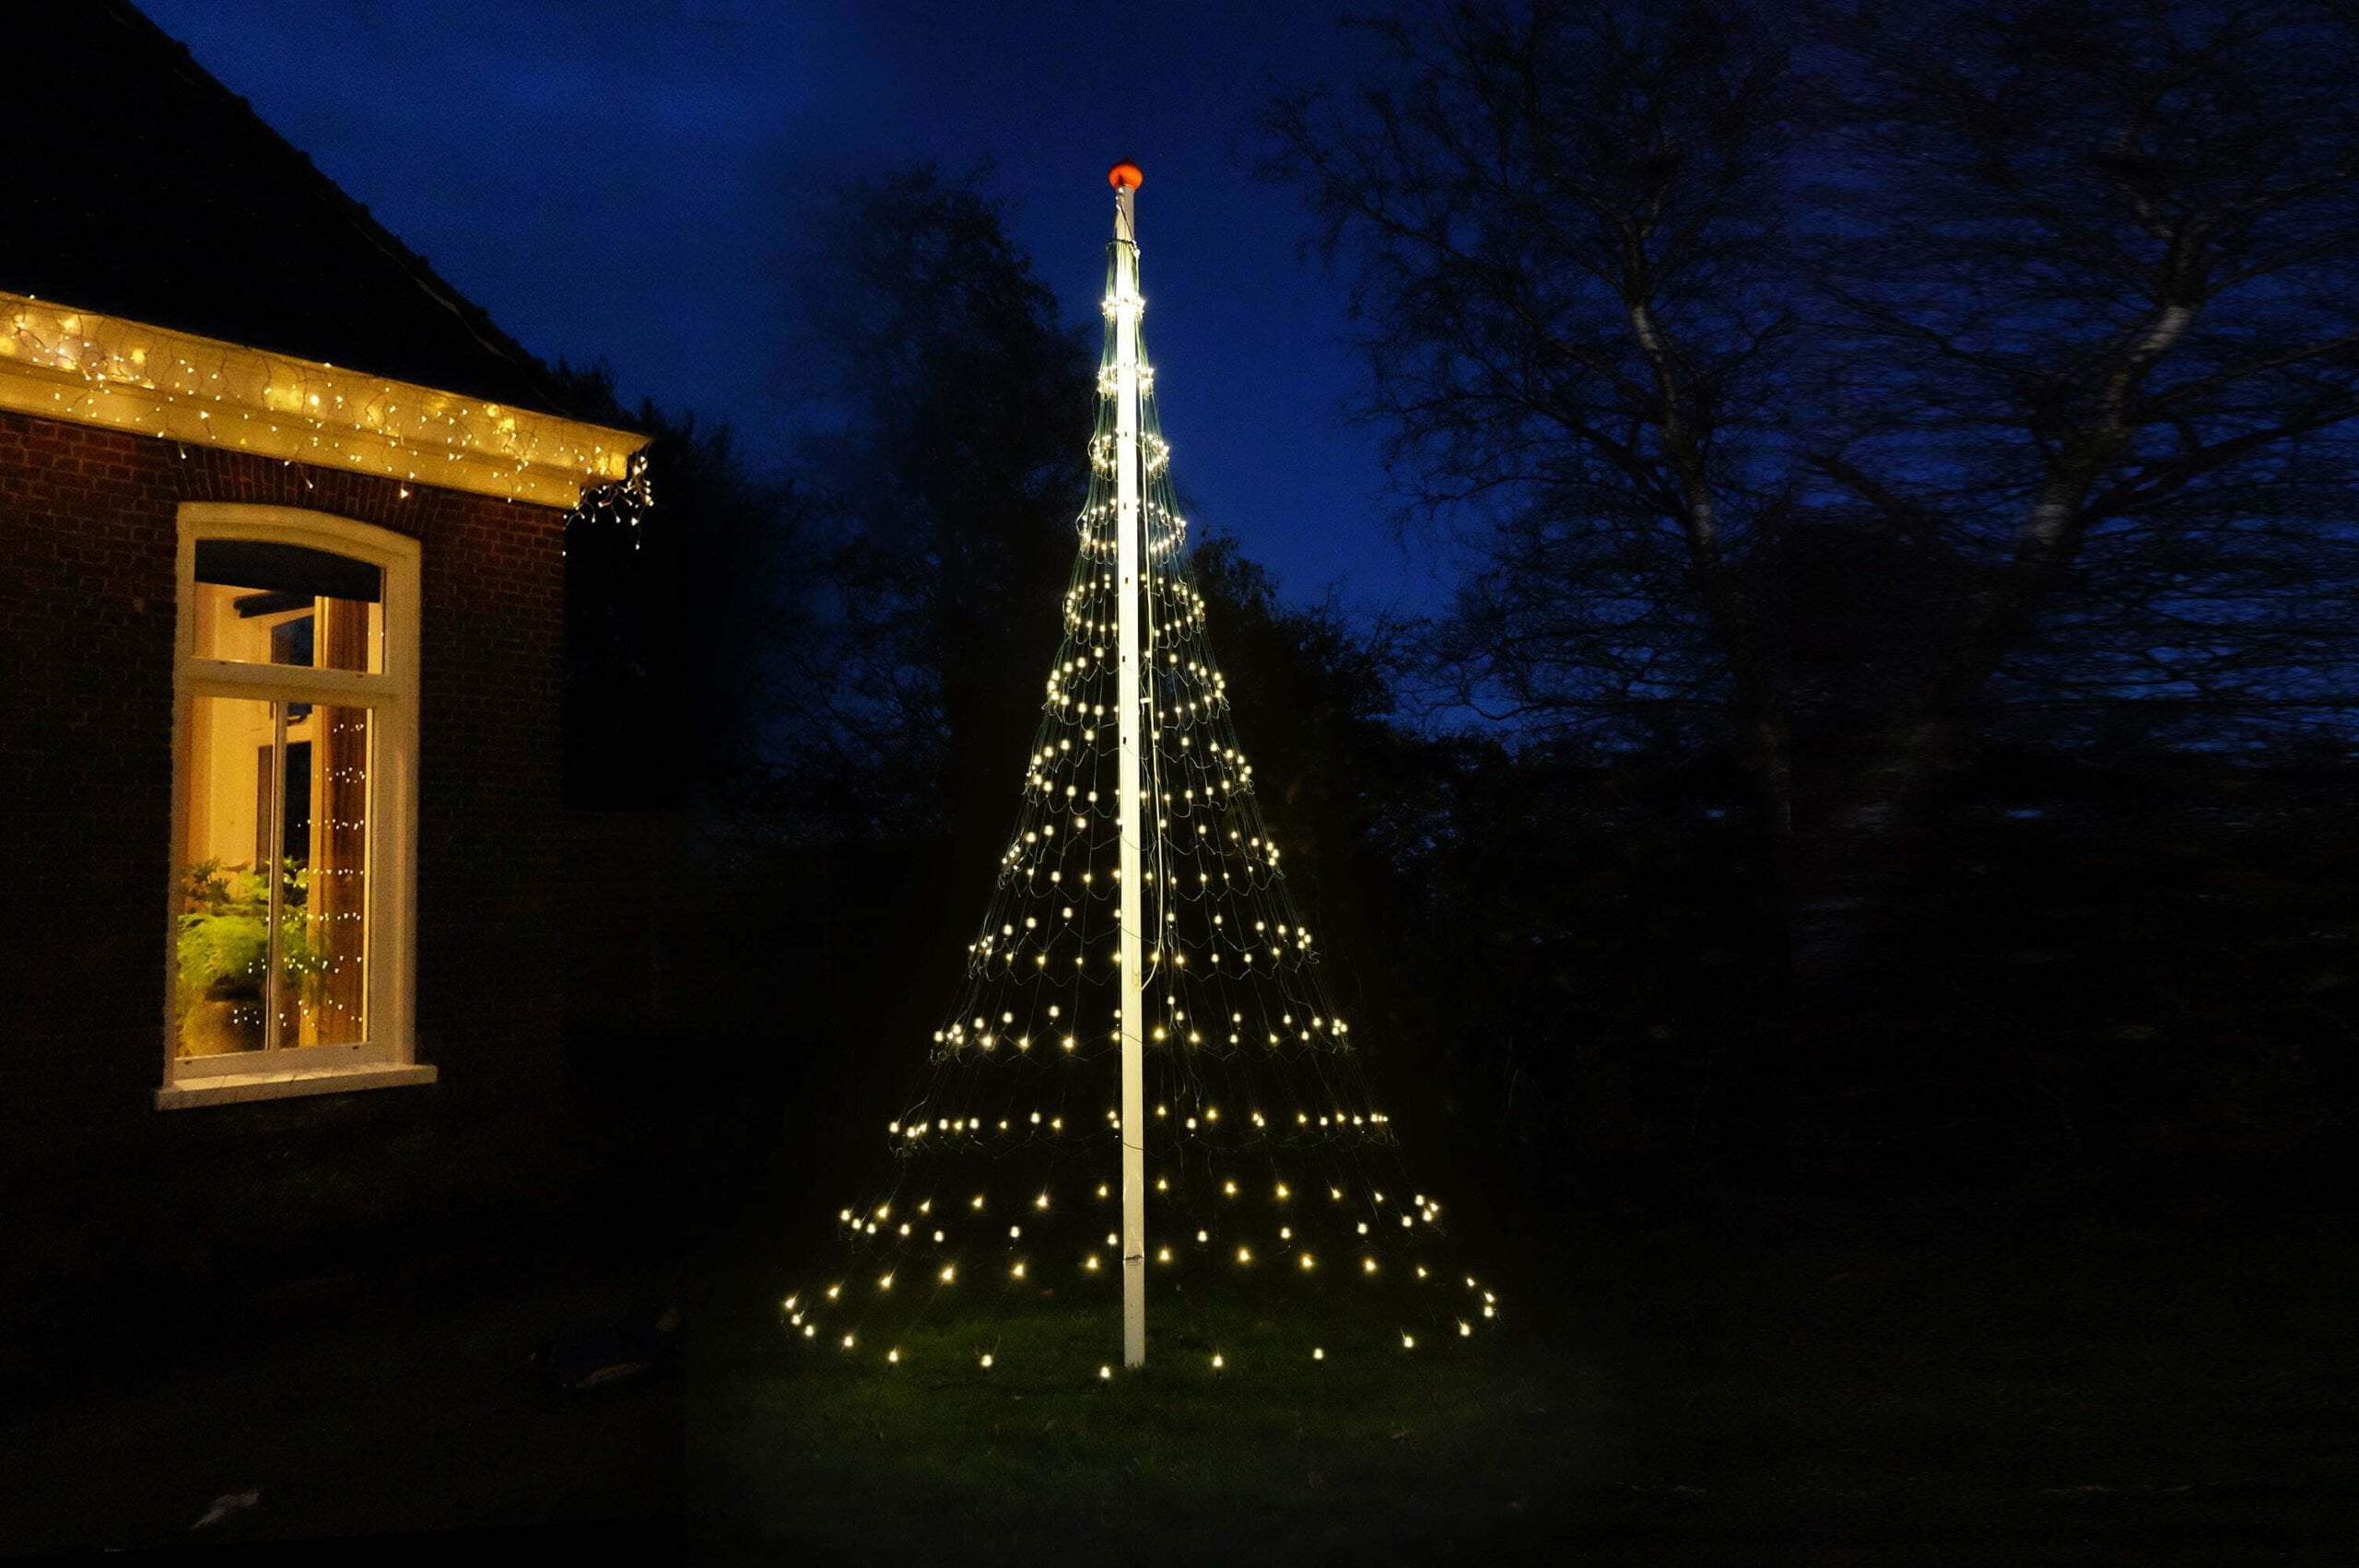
[387,1056]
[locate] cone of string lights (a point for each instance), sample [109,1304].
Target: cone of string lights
[1144,1116]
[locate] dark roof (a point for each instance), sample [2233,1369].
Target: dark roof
[143,188]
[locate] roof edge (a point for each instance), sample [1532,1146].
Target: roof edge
[88,369]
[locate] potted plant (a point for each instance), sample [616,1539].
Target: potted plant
[224,953]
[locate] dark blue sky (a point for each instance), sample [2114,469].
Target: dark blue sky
[616,178]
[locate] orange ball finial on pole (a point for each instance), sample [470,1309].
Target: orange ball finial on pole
[1125,177]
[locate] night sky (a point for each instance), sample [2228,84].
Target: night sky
[620,178]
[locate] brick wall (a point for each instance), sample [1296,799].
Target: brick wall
[88,551]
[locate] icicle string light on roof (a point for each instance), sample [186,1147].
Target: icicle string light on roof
[61,363]
[1267,1159]
[620,503]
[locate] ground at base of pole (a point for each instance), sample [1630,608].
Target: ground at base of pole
[1689,1396]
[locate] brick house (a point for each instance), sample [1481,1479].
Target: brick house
[281,650]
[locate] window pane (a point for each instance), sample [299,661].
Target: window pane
[324,935]
[229,792]
[263,603]
[284,784]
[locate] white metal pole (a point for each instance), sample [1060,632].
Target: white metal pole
[1134,811]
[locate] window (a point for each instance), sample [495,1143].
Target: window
[293,806]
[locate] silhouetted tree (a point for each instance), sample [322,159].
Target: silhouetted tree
[1565,222]
[2093,322]
[948,407]
[679,626]
[2051,401]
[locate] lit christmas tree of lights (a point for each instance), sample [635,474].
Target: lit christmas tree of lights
[1158,1090]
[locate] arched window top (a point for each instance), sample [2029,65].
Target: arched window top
[295,589]
[259,601]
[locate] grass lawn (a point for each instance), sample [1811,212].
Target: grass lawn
[1275,1456]
[1683,1399]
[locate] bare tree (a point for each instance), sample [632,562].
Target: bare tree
[1999,368]
[944,394]
[1564,218]
[2099,296]
[2092,327]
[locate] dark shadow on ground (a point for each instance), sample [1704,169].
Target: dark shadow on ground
[363,1387]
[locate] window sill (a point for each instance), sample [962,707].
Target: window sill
[233,1087]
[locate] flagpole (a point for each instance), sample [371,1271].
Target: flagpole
[1134,811]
